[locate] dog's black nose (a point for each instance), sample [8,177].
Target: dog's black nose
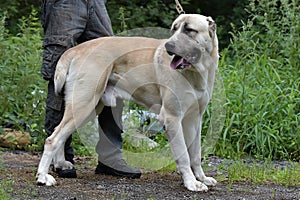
[170,46]
[170,53]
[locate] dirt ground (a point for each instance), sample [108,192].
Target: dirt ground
[17,173]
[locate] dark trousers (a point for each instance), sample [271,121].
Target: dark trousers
[67,23]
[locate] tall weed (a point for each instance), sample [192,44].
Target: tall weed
[261,72]
[22,88]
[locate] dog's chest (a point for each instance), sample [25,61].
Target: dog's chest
[199,87]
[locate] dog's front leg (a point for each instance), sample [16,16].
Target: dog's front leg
[192,130]
[181,156]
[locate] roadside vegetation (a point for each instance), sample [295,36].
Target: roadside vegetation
[261,74]
[260,172]
[260,70]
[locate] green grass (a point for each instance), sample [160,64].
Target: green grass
[7,182]
[5,190]
[261,71]
[5,185]
[260,173]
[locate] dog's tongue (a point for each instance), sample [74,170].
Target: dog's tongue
[177,61]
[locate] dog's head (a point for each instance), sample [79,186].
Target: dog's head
[194,42]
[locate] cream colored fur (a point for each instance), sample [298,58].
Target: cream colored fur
[97,72]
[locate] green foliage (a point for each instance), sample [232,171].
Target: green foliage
[261,173]
[139,14]
[22,88]
[225,13]
[5,190]
[5,185]
[153,13]
[261,71]
[16,9]
[79,148]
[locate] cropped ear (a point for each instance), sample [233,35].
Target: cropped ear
[212,27]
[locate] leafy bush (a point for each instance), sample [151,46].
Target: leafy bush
[261,71]
[22,88]
[138,14]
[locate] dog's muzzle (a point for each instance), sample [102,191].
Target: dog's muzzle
[182,57]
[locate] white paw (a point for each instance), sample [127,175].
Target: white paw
[63,165]
[209,181]
[45,179]
[66,165]
[196,186]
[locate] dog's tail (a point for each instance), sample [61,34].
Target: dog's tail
[61,72]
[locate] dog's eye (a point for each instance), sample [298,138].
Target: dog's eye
[190,30]
[174,29]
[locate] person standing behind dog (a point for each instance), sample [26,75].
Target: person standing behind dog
[67,23]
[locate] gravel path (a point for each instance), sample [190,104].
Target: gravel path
[17,175]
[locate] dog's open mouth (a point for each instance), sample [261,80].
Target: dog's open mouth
[179,62]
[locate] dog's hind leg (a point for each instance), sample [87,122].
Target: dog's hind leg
[59,160]
[82,99]
[75,116]
[52,145]
[59,157]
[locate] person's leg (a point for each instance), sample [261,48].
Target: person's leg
[63,23]
[54,114]
[110,156]
[110,141]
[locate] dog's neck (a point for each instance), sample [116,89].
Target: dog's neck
[194,74]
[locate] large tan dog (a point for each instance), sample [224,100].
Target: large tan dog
[173,78]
